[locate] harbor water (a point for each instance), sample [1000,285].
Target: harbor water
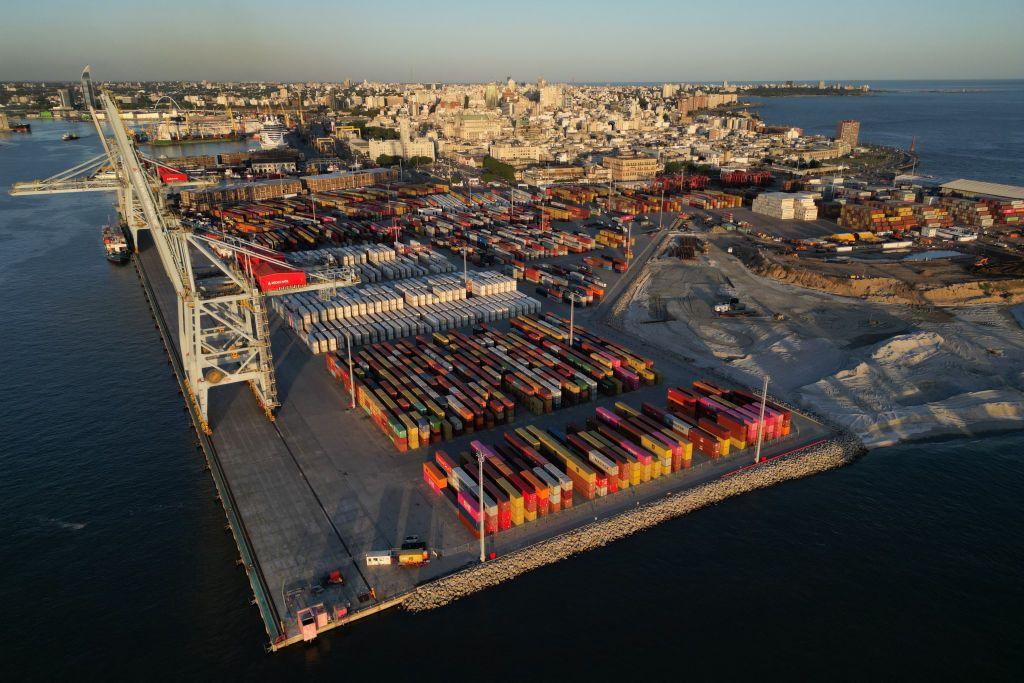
[963,129]
[116,563]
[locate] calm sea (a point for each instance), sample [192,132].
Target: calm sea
[114,561]
[963,129]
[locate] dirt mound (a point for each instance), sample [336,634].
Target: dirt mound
[894,291]
[886,290]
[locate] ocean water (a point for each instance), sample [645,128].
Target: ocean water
[114,561]
[964,129]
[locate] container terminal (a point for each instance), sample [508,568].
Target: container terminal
[347,485]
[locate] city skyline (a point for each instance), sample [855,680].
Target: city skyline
[593,42]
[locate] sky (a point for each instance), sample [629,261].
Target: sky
[562,41]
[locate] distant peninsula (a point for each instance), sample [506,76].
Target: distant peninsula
[805,91]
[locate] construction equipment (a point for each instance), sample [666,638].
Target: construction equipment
[223,338]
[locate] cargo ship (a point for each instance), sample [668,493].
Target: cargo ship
[115,246]
[188,140]
[272,133]
[19,128]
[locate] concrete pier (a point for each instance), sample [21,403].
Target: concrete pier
[316,490]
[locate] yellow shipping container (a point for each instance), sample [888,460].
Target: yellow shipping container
[412,431]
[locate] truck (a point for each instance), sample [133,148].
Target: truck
[413,552]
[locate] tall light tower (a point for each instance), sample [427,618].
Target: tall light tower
[760,422]
[480,493]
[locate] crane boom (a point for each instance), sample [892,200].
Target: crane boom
[223,337]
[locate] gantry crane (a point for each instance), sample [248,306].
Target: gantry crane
[223,337]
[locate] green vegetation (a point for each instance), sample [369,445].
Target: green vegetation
[672,167]
[385,160]
[496,170]
[418,161]
[374,132]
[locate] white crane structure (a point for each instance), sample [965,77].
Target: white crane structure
[223,332]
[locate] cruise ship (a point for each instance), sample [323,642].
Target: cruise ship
[272,134]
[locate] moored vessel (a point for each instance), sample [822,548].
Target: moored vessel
[115,246]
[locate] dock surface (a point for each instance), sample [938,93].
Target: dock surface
[320,487]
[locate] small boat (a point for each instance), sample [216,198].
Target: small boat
[115,246]
[69,136]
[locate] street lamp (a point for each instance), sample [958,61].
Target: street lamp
[480,499]
[760,422]
[572,311]
[351,376]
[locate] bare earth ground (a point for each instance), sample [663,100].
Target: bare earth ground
[888,372]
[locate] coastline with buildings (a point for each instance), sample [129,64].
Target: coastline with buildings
[695,245]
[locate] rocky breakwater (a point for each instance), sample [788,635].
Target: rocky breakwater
[824,456]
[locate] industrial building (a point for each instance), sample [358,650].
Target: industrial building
[626,168]
[977,188]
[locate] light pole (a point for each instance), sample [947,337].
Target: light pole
[629,243]
[760,422]
[572,311]
[661,209]
[480,480]
[351,376]
[465,266]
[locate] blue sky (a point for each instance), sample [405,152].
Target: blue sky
[480,41]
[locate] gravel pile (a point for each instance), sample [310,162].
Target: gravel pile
[825,456]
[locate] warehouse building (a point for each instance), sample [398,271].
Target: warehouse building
[977,189]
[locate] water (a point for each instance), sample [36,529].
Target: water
[114,562]
[977,134]
[932,255]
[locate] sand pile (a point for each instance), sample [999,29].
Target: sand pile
[887,372]
[923,384]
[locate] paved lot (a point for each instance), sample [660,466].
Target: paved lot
[323,486]
[790,229]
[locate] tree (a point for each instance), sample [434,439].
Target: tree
[385,160]
[674,167]
[419,161]
[499,169]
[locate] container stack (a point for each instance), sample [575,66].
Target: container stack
[712,199]
[786,206]
[436,387]
[1009,213]
[534,472]
[375,313]
[487,283]
[880,216]
[969,212]
[932,216]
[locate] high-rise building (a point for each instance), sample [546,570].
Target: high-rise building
[491,96]
[549,96]
[847,131]
[66,100]
[88,91]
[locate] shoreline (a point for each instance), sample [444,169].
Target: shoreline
[821,457]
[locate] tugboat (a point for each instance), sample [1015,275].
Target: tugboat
[70,135]
[115,245]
